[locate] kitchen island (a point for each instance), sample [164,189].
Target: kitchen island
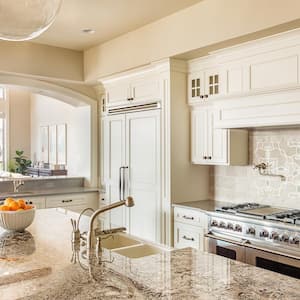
[37,265]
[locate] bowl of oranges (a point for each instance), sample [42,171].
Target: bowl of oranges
[16,215]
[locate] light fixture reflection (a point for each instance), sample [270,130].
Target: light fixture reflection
[22,20]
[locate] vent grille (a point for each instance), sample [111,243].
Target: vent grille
[133,108]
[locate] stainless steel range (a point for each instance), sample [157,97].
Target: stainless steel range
[260,235]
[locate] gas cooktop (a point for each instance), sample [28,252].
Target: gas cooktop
[259,211]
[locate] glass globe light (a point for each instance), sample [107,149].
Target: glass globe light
[22,20]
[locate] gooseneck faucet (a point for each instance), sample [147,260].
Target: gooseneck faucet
[17,183]
[91,233]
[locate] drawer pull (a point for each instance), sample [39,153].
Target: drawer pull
[66,201]
[187,238]
[188,218]
[29,202]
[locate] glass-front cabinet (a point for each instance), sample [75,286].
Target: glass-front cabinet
[206,84]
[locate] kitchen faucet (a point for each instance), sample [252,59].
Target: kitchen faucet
[17,183]
[92,233]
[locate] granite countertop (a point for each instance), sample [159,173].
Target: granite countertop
[36,265]
[49,192]
[203,205]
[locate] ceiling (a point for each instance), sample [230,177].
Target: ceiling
[109,19]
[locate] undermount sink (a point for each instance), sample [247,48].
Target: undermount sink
[118,241]
[139,251]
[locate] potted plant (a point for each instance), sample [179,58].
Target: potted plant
[21,162]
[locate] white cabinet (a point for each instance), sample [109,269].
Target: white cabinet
[132,167]
[74,202]
[38,202]
[189,228]
[132,91]
[213,146]
[205,85]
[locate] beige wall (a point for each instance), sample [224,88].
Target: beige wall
[49,111]
[19,122]
[206,23]
[41,60]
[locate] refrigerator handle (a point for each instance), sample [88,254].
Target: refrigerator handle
[120,183]
[125,187]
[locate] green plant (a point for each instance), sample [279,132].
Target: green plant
[21,162]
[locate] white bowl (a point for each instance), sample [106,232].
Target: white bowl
[16,220]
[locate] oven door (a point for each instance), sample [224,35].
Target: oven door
[274,262]
[227,247]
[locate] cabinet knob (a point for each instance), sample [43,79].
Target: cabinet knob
[204,157]
[201,96]
[205,96]
[209,157]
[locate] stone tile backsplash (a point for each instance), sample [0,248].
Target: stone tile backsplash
[280,148]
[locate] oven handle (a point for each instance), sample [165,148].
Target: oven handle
[242,242]
[247,243]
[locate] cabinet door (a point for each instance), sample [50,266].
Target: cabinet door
[145,90]
[143,159]
[117,93]
[113,159]
[188,236]
[215,82]
[199,136]
[196,87]
[217,140]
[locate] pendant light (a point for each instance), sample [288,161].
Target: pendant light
[22,20]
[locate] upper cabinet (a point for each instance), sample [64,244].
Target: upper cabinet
[252,84]
[205,84]
[132,90]
[214,146]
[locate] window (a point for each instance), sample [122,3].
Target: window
[2,128]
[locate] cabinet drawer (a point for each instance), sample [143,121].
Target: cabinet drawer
[188,236]
[67,200]
[38,202]
[190,216]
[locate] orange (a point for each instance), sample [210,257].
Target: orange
[4,207]
[28,207]
[21,203]
[20,209]
[8,200]
[13,205]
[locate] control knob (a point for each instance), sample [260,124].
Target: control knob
[264,233]
[238,227]
[274,235]
[284,238]
[230,226]
[250,230]
[214,223]
[222,225]
[295,240]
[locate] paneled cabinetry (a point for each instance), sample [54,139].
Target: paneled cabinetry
[132,91]
[258,83]
[152,149]
[213,146]
[74,202]
[131,162]
[189,228]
